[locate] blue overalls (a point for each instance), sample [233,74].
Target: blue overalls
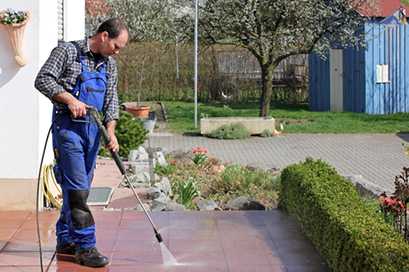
[76,145]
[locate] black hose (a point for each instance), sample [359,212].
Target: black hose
[38,198]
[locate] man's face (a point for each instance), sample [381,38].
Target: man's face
[109,47]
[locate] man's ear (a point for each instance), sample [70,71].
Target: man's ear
[104,36]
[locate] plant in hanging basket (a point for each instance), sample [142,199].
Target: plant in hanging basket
[14,23]
[11,17]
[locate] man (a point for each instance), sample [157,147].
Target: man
[79,75]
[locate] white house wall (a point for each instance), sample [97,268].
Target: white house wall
[25,114]
[19,103]
[74,20]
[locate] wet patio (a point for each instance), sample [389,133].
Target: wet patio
[214,241]
[200,241]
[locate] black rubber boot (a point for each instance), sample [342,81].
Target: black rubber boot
[66,249]
[90,257]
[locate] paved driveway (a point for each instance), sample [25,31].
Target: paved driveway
[376,157]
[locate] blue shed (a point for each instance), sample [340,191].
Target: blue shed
[373,80]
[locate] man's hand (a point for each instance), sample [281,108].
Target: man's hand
[113,144]
[77,108]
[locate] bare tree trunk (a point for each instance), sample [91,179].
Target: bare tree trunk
[266,90]
[126,80]
[214,84]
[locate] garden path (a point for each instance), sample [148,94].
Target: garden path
[373,158]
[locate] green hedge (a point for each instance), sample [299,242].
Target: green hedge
[346,232]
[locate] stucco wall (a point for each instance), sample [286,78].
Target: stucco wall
[25,114]
[74,20]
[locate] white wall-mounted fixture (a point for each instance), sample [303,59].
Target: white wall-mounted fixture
[16,37]
[382,73]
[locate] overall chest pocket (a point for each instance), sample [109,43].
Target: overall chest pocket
[93,89]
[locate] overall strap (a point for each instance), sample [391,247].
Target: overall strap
[80,57]
[78,48]
[101,66]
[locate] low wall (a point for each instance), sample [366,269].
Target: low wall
[255,125]
[18,194]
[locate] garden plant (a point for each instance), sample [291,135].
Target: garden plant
[196,175]
[395,207]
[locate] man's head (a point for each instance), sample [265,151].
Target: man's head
[111,37]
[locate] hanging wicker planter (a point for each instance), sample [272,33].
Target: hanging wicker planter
[15,33]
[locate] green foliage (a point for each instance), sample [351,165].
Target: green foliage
[266,133]
[10,17]
[237,180]
[231,131]
[185,192]
[199,158]
[349,234]
[219,183]
[165,170]
[130,134]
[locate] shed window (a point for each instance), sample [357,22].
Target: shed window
[382,73]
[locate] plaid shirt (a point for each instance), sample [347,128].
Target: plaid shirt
[61,70]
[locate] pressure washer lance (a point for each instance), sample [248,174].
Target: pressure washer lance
[119,163]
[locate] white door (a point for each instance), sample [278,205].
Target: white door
[336,84]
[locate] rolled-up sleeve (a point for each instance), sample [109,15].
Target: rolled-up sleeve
[47,79]
[111,104]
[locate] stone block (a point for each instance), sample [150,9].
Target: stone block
[255,125]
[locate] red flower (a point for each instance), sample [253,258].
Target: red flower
[199,150]
[392,204]
[388,201]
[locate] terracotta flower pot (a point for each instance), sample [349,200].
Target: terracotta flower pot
[139,111]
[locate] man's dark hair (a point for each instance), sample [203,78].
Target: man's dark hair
[113,26]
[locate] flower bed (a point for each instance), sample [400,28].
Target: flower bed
[348,234]
[197,176]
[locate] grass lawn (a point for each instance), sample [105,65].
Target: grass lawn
[295,119]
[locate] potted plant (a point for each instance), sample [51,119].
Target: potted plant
[14,22]
[136,110]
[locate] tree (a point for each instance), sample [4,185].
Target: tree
[273,30]
[147,20]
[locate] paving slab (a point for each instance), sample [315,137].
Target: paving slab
[244,241]
[378,158]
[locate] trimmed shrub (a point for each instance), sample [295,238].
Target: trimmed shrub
[349,235]
[130,134]
[230,131]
